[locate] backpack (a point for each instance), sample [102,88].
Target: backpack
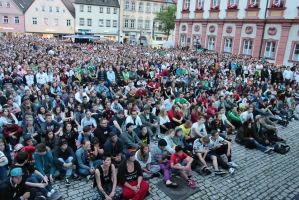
[281,148]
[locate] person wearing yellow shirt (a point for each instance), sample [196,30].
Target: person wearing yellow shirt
[186,128]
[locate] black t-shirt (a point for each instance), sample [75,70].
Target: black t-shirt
[124,176]
[144,138]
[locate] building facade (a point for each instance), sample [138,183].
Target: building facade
[258,28]
[12,17]
[137,21]
[98,17]
[48,18]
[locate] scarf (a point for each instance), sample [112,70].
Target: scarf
[141,157]
[88,156]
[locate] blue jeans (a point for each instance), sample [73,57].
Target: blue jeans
[3,174]
[86,172]
[36,178]
[259,146]
[115,130]
[69,171]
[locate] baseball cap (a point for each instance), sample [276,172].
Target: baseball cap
[18,147]
[16,172]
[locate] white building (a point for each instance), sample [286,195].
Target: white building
[98,18]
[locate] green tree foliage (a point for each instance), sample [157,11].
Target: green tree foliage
[166,17]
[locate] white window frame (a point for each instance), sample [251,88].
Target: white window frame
[133,6]
[68,22]
[215,2]
[296,55]
[114,23]
[140,23]
[161,8]
[101,23]
[155,8]
[183,40]
[211,43]
[88,8]
[46,21]
[140,7]
[187,4]
[36,9]
[127,5]
[114,10]
[270,49]
[108,10]
[57,9]
[234,2]
[147,24]
[81,8]
[1,4]
[148,7]
[34,20]
[5,19]
[254,1]
[247,47]
[200,3]
[81,21]
[101,10]
[50,9]
[228,45]
[55,22]
[89,22]
[43,9]
[108,23]
[16,20]
[7,4]
[126,23]
[277,1]
[132,23]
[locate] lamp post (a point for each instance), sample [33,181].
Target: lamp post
[196,42]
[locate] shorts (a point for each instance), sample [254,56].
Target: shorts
[177,171]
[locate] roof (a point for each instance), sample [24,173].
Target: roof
[68,4]
[23,4]
[111,3]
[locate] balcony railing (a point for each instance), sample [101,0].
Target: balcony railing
[247,51]
[269,54]
[211,47]
[227,49]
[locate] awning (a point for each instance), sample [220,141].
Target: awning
[82,37]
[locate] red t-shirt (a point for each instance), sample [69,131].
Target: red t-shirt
[177,159]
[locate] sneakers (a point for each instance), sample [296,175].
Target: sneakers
[206,170]
[280,140]
[191,183]
[232,164]
[219,172]
[269,150]
[75,176]
[67,182]
[156,175]
[231,170]
[160,136]
[88,178]
[154,137]
[55,196]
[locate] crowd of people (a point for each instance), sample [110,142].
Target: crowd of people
[120,115]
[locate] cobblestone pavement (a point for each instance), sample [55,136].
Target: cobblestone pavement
[259,176]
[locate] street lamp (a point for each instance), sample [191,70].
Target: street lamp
[196,44]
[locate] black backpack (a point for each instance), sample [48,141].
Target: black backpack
[281,148]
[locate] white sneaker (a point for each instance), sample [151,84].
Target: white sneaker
[160,136]
[231,170]
[154,138]
[232,164]
[269,150]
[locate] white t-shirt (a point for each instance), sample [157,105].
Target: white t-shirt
[199,128]
[224,118]
[246,116]
[163,120]
[213,144]
[197,145]
[168,104]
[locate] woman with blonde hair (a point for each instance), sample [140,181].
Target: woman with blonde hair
[165,123]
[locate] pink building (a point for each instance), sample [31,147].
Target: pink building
[258,28]
[12,16]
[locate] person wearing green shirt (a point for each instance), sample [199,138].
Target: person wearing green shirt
[234,118]
[181,100]
[126,75]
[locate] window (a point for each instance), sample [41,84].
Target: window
[187,4]
[140,7]
[46,21]
[0,3]
[82,21]
[68,22]
[57,9]
[200,3]
[211,43]
[228,45]
[147,24]
[161,8]
[88,8]
[50,8]
[296,52]
[101,9]
[89,22]
[183,40]
[133,6]
[81,8]
[148,7]
[277,1]
[114,23]
[233,2]
[140,22]
[107,22]
[63,11]
[132,23]
[34,20]
[7,4]
[269,49]
[247,47]
[155,8]
[17,20]
[5,19]
[108,10]
[126,23]
[36,9]
[43,9]
[55,22]
[114,10]
[215,2]
[254,1]
[127,5]
[101,22]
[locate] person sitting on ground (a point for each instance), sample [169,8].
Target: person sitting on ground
[115,147]
[29,149]
[270,128]
[51,125]
[201,151]
[180,163]
[144,157]
[86,135]
[44,162]
[102,131]
[64,159]
[234,118]
[247,115]
[135,119]
[116,123]
[151,121]
[130,139]
[259,132]
[179,139]
[186,129]
[3,165]
[105,182]
[198,129]
[130,178]
[169,140]
[144,135]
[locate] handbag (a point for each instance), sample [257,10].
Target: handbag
[249,144]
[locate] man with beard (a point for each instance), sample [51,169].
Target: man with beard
[102,132]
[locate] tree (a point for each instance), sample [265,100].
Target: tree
[166,17]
